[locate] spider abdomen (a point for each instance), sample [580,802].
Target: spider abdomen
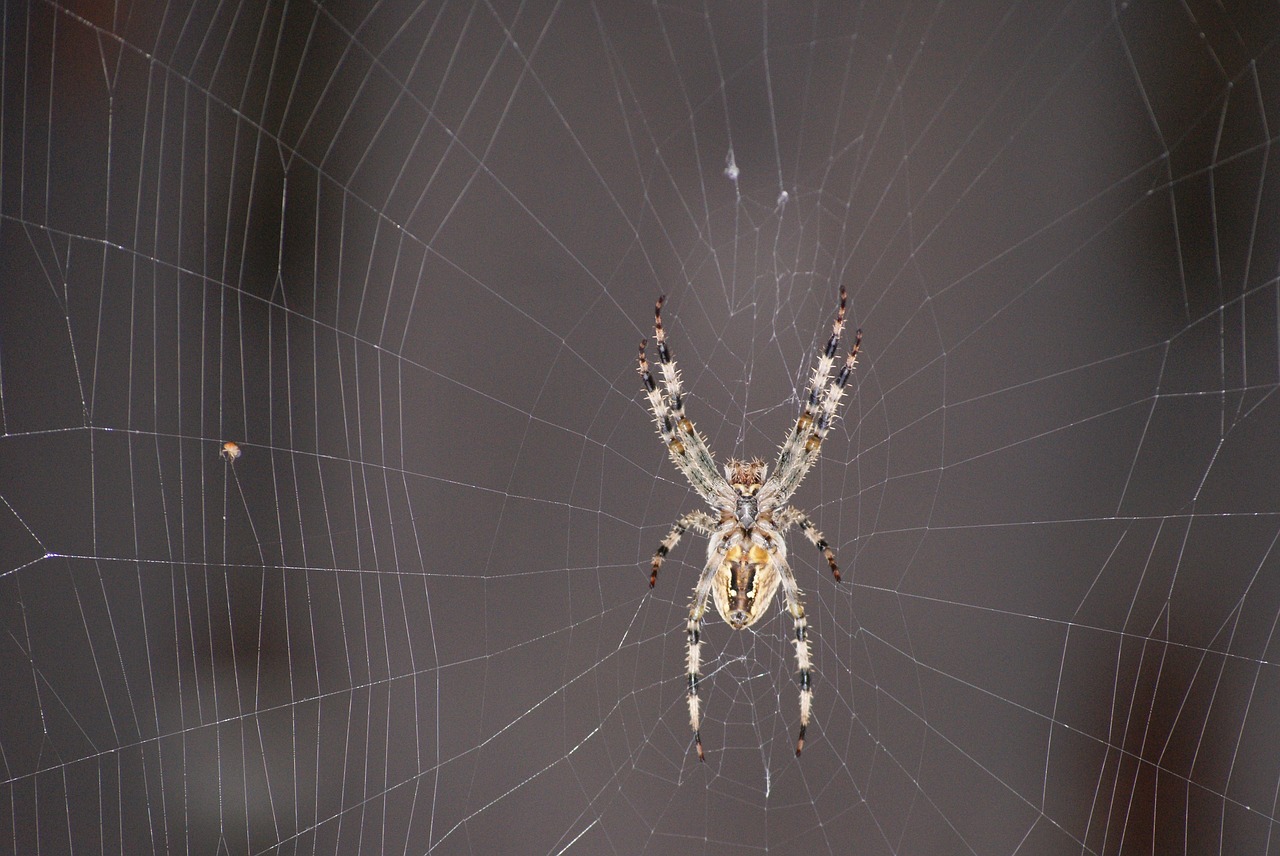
[745,584]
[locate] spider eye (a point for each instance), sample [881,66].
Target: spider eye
[745,475]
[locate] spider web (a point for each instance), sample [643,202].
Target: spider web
[402,255]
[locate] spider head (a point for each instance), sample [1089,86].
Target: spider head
[746,477]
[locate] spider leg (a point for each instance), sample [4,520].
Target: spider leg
[792,453]
[686,446]
[793,516]
[694,664]
[804,664]
[671,434]
[835,392]
[791,596]
[800,451]
[701,593]
[699,521]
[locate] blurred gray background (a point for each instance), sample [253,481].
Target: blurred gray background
[402,255]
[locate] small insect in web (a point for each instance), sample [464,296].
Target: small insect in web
[746,548]
[230,451]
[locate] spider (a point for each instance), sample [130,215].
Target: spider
[746,550]
[230,451]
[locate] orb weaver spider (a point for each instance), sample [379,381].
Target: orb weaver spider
[746,549]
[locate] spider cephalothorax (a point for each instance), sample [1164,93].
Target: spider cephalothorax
[746,477]
[746,551]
